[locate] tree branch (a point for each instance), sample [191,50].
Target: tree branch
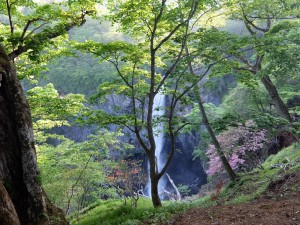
[181,127]
[27,26]
[36,28]
[8,7]
[46,34]
[191,13]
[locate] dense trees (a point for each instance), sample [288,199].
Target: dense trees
[153,60]
[144,69]
[252,56]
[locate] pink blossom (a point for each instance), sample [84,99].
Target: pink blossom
[237,144]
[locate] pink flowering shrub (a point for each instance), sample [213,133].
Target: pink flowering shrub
[242,146]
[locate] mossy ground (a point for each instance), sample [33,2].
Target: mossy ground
[112,212]
[253,184]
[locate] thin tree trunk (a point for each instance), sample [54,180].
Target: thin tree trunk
[154,192]
[154,178]
[267,82]
[276,99]
[213,137]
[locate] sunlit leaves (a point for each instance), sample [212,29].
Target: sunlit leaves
[142,18]
[50,109]
[104,119]
[75,167]
[33,28]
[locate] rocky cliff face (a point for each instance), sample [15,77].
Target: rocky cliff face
[185,170]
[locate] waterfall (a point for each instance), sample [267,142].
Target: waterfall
[158,111]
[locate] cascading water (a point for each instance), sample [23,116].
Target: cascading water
[158,111]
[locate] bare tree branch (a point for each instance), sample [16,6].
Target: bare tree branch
[8,7]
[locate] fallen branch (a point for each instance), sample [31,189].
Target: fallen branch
[175,188]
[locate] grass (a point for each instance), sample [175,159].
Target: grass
[253,184]
[250,186]
[113,212]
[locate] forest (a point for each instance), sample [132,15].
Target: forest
[153,112]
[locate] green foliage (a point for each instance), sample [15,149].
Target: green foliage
[72,174]
[70,74]
[123,57]
[243,103]
[183,190]
[271,48]
[282,48]
[35,31]
[200,150]
[47,103]
[262,9]
[50,109]
[138,18]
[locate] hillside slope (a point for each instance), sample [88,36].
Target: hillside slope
[279,206]
[268,196]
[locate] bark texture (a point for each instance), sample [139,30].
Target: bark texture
[8,214]
[18,166]
[276,99]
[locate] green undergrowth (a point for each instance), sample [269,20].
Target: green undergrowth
[113,212]
[250,186]
[255,183]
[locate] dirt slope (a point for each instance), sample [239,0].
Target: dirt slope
[279,206]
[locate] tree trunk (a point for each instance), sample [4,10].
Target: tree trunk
[154,192]
[213,137]
[8,214]
[154,178]
[18,167]
[275,98]
[267,82]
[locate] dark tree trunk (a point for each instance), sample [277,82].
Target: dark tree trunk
[8,214]
[275,98]
[154,181]
[18,167]
[213,137]
[154,192]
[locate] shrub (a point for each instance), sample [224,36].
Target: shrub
[242,146]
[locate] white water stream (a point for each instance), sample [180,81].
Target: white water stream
[158,111]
